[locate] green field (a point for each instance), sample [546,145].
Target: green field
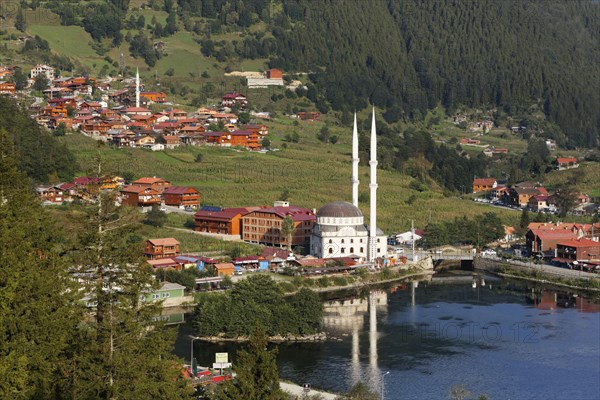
[71,41]
[314,174]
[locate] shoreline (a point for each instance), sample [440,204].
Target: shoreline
[317,337]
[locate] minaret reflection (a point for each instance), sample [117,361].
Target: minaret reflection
[377,299]
[348,317]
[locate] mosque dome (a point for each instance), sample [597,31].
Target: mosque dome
[339,209]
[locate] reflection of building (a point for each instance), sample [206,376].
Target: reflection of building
[348,316]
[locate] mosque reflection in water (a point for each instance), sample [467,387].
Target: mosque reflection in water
[349,317]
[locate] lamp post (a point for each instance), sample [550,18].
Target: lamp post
[382,387]
[192,353]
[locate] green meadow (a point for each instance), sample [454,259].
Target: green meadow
[313,174]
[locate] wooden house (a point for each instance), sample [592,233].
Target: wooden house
[181,196]
[161,248]
[158,184]
[139,196]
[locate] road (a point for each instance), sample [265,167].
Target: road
[298,391]
[551,269]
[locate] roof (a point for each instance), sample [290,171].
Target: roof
[164,242]
[484,181]
[149,180]
[563,160]
[179,190]
[224,266]
[162,263]
[224,215]
[136,189]
[171,286]
[294,212]
[583,242]
[339,209]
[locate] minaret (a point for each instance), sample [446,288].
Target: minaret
[137,88]
[372,254]
[355,164]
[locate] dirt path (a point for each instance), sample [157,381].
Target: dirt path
[298,391]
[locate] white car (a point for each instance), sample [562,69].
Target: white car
[488,253]
[163,208]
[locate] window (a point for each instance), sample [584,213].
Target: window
[351,240]
[331,250]
[330,241]
[379,250]
[351,250]
[342,240]
[155,296]
[362,249]
[377,240]
[343,250]
[166,295]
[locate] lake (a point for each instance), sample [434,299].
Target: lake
[506,339]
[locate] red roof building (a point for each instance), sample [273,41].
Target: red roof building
[264,226]
[181,196]
[227,221]
[578,250]
[139,196]
[158,184]
[161,248]
[484,184]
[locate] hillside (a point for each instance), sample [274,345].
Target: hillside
[405,56]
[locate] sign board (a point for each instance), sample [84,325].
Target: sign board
[221,357]
[221,365]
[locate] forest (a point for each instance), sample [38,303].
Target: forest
[405,56]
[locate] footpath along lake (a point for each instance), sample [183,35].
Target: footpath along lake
[507,339]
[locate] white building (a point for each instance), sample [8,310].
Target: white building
[42,69]
[340,230]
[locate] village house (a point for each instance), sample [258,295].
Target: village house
[158,184]
[139,196]
[262,130]
[538,203]
[581,249]
[154,97]
[164,263]
[42,69]
[249,139]
[227,221]
[161,248]
[171,295]
[264,226]
[50,194]
[484,184]
[492,151]
[224,269]
[310,116]
[563,163]
[544,236]
[230,100]
[7,88]
[470,142]
[181,196]
[551,144]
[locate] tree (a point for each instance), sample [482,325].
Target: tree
[285,195]
[524,222]
[199,157]
[115,279]
[19,79]
[243,118]
[60,130]
[266,143]
[38,306]
[333,139]
[287,229]
[257,375]
[323,134]
[41,82]
[156,217]
[20,23]
[359,391]
[565,199]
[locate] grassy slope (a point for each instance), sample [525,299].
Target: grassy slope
[314,173]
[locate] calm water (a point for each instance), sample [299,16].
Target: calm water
[505,340]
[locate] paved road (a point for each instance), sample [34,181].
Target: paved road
[298,391]
[569,273]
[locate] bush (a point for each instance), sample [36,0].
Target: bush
[340,281]
[323,282]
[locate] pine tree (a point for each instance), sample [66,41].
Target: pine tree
[257,375]
[121,353]
[38,312]
[20,23]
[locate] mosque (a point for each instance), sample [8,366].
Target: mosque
[340,230]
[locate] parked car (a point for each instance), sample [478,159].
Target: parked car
[188,208]
[163,208]
[488,253]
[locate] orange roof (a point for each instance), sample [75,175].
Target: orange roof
[164,242]
[149,180]
[483,181]
[583,242]
[137,189]
[562,160]
[221,266]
